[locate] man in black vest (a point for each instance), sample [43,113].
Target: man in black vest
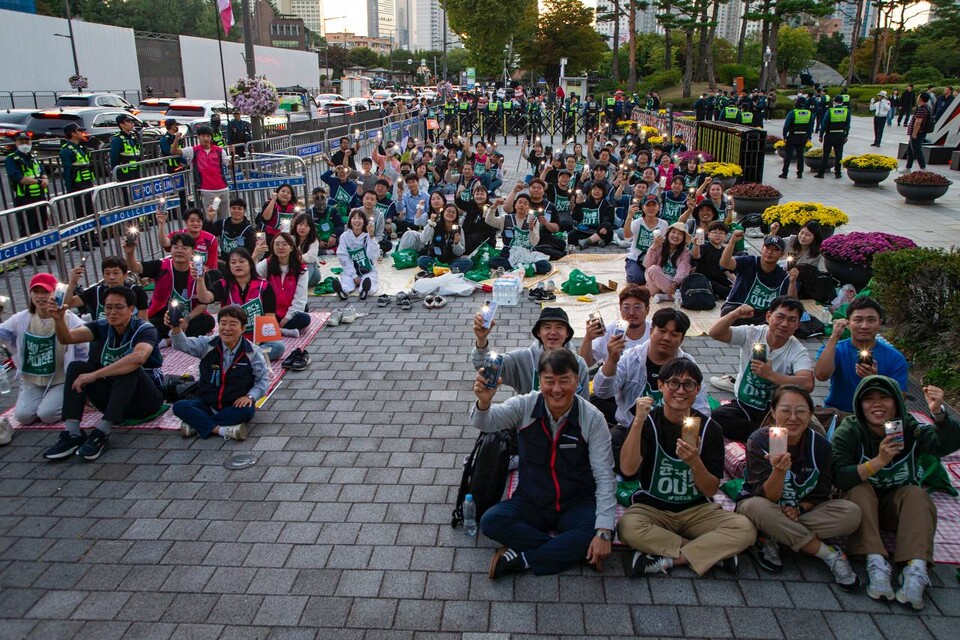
[833,134]
[570,492]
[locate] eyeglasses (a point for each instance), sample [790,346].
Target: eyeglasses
[633,308]
[114,307]
[799,412]
[779,317]
[688,385]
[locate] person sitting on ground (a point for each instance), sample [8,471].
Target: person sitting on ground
[553,224]
[881,474]
[205,244]
[233,376]
[375,217]
[628,374]
[413,205]
[388,208]
[701,215]
[122,378]
[770,356]
[846,362]
[520,233]
[593,216]
[564,507]
[232,232]
[343,190]
[114,269]
[804,247]
[640,232]
[673,454]
[175,281]
[476,230]
[759,279]
[634,306]
[282,205]
[787,495]
[327,220]
[675,201]
[40,361]
[706,260]
[304,234]
[443,242]
[358,254]
[552,331]
[287,275]
[667,262]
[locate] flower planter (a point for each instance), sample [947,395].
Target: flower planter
[814,163]
[848,273]
[745,205]
[793,229]
[867,177]
[726,182]
[921,193]
[781,153]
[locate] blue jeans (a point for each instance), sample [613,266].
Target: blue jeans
[495,183]
[273,349]
[297,320]
[636,274]
[460,265]
[523,526]
[202,417]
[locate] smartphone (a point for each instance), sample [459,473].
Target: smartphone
[895,428]
[597,318]
[491,369]
[760,351]
[778,441]
[487,313]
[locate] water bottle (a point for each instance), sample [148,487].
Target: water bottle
[469,513]
[5,389]
[677,299]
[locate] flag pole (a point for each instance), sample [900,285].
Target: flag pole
[223,73]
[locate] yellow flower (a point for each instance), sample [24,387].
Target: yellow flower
[800,213]
[721,169]
[870,161]
[649,131]
[780,144]
[655,140]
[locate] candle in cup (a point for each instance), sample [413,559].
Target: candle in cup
[690,430]
[778,441]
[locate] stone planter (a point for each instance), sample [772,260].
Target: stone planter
[745,205]
[768,147]
[846,273]
[726,182]
[867,177]
[922,193]
[814,163]
[794,229]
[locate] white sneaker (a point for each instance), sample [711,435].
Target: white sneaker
[912,582]
[879,571]
[349,315]
[6,432]
[842,571]
[186,431]
[234,432]
[662,297]
[290,333]
[724,383]
[335,317]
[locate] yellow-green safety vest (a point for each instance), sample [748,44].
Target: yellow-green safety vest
[129,154]
[81,163]
[31,170]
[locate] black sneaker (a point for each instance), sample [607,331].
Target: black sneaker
[66,446]
[729,565]
[94,446]
[646,564]
[364,288]
[505,561]
[339,289]
[290,359]
[301,362]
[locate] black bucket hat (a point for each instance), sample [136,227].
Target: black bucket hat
[553,314]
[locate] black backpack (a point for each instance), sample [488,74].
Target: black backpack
[485,472]
[696,293]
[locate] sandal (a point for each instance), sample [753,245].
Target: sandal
[383,300]
[429,301]
[405,304]
[439,302]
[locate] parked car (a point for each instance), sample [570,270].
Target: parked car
[189,113]
[324,98]
[338,108]
[381,96]
[95,99]
[47,126]
[153,110]
[360,104]
[12,122]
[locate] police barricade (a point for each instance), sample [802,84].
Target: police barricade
[736,143]
[256,178]
[668,125]
[29,244]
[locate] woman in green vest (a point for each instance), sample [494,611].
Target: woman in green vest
[877,465]
[41,361]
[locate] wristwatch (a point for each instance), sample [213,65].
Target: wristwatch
[605,535]
[939,415]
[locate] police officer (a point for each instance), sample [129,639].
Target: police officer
[610,113]
[239,134]
[509,119]
[700,107]
[492,124]
[218,138]
[731,113]
[77,170]
[797,130]
[125,151]
[463,115]
[759,109]
[833,134]
[173,162]
[449,112]
[591,113]
[28,181]
[570,119]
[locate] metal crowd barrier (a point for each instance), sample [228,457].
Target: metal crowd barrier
[734,143]
[260,175]
[28,242]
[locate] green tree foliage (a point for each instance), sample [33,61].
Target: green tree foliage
[179,17]
[565,31]
[833,50]
[795,50]
[486,27]
[363,57]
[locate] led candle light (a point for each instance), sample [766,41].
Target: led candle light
[131,235]
[778,441]
[760,351]
[690,430]
[865,357]
[692,191]
[657,233]
[895,428]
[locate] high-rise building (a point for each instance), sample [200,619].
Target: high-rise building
[646,21]
[310,11]
[427,33]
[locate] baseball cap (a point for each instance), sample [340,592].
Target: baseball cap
[23,135]
[122,118]
[650,198]
[169,122]
[774,241]
[71,128]
[46,281]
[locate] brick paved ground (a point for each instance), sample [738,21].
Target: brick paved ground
[341,530]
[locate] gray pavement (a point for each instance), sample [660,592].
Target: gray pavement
[342,528]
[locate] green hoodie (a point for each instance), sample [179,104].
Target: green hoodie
[854,443]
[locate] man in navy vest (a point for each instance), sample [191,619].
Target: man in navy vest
[566,474]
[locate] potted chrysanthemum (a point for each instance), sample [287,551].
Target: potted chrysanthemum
[793,215]
[922,187]
[848,257]
[869,169]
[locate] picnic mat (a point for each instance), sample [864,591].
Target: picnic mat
[177,363]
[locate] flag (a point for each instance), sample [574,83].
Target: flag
[226,14]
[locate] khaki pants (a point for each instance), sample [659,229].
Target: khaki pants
[714,534]
[207,197]
[826,520]
[907,510]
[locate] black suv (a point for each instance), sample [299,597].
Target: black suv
[47,125]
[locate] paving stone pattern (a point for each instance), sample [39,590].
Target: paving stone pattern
[342,528]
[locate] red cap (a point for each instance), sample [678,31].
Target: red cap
[46,281]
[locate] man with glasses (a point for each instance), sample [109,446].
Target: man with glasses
[636,372]
[770,356]
[122,378]
[671,462]
[634,305]
[328,221]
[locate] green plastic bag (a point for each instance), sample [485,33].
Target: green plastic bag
[529,270]
[481,255]
[478,275]
[732,487]
[579,284]
[625,491]
[324,287]
[935,477]
[404,259]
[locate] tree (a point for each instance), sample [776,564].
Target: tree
[486,26]
[795,51]
[363,57]
[774,14]
[831,51]
[185,17]
[565,31]
[611,11]
[337,58]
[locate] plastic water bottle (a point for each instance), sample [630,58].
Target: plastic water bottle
[469,515]
[677,299]
[5,383]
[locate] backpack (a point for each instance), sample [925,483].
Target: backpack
[809,327]
[178,387]
[485,472]
[813,283]
[696,293]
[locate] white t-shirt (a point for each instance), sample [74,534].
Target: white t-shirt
[600,343]
[636,228]
[787,360]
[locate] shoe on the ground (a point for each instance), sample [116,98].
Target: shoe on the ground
[383,300]
[349,315]
[724,383]
[335,317]
[913,580]
[364,288]
[290,359]
[339,289]
[234,432]
[782,176]
[186,431]
[422,274]
[94,446]
[842,572]
[290,333]
[439,302]
[879,572]
[6,432]
[66,446]
[729,565]
[818,175]
[583,244]
[429,301]
[837,176]
[766,553]
[550,285]
[301,361]
[646,564]
[799,176]
[504,562]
